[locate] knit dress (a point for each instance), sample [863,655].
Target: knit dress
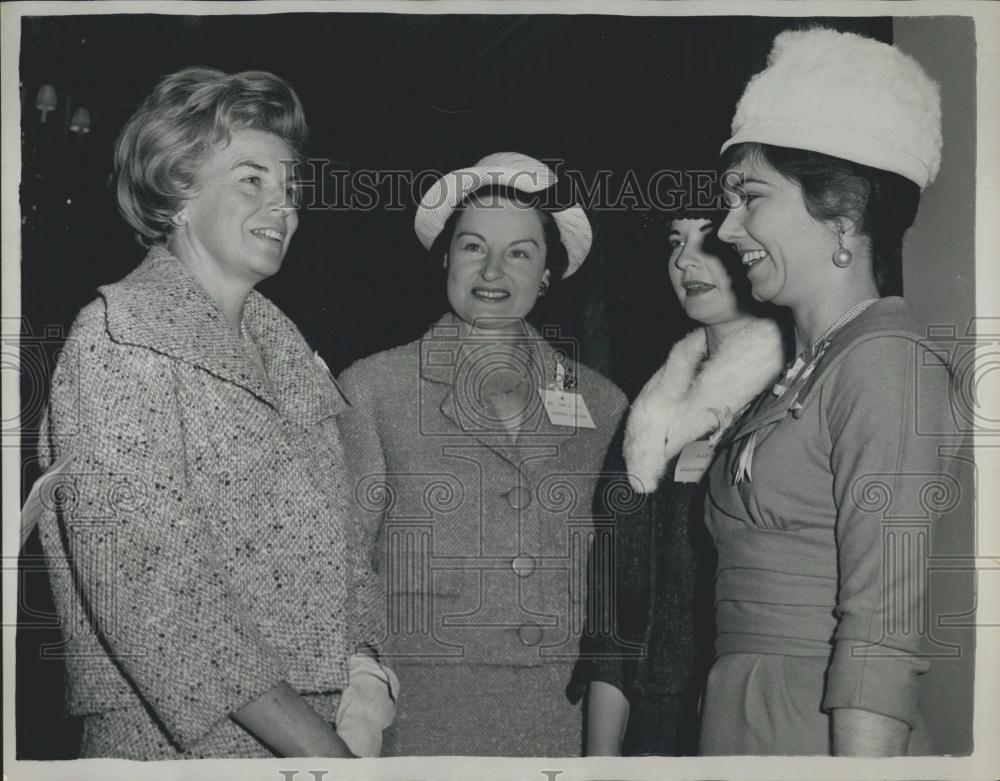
[820,505]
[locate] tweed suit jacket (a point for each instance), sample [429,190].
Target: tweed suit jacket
[485,534]
[202,546]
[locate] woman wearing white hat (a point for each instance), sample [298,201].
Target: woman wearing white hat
[493,436]
[816,609]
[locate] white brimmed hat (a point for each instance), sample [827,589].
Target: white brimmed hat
[847,96]
[502,169]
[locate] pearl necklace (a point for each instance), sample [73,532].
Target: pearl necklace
[805,362]
[799,371]
[844,319]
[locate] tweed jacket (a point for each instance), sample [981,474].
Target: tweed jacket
[202,547]
[650,627]
[485,533]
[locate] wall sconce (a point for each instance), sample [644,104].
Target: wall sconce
[80,123]
[46,100]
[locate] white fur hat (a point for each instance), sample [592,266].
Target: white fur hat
[847,96]
[503,169]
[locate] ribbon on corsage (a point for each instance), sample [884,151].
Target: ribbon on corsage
[794,377]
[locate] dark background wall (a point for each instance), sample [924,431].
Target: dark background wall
[381,92]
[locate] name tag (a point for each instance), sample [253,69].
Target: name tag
[694,460]
[566,408]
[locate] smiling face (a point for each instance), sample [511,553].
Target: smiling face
[240,221]
[785,250]
[496,262]
[700,279]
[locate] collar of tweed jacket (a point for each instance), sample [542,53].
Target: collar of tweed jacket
[443,344]
[460,363]
[161,307]
[681,402]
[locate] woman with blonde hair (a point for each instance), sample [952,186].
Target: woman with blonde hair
[213,579]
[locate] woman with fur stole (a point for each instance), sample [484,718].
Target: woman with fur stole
[648,647]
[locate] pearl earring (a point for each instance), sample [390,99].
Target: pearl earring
[180,218]
[842,257]
[543,288]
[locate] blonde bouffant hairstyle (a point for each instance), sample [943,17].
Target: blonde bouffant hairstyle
[190,114]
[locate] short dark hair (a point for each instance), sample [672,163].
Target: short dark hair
[881,204]
[657,223]
[161,147]
[556,257]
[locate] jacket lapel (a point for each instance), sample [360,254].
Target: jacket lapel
[161,307]
[457,365]
[303,388]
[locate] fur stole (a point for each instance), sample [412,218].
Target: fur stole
[682,403]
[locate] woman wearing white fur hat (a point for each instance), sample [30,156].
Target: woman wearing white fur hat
[646,703]
[492,437]
[815,647]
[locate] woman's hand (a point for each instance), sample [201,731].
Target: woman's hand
[607,716]
[283,720]
[861,733]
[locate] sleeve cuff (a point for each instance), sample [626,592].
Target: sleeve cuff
[607,669]
[874,678]
[189,715]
